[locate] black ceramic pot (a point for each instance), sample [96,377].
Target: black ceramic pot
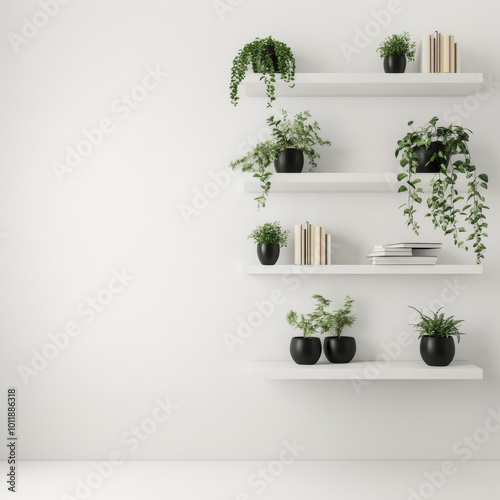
[269,49]
[340,349]
[268,253]
[305,351]
[290,161]
[395,63]
[437,351]
[425,154]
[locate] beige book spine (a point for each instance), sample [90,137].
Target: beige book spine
[303,254]
[323,245]
[441,53]
[311,245]
[457,58]
[446,54]
[317,246]
[433,50]
[328,249]
[452,54]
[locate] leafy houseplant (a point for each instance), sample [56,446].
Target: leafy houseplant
[297,133]
[436,332]
[444,209]
[269,238]
[267,56]
[395,49]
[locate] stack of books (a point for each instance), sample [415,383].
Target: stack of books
[313,247]
[403,254]
[440,54]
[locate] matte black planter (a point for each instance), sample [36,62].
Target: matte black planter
[340,349]
[437,351]
[290,161]
[269,49]
[425,154]
[268,253]
[305,351]
[395,63]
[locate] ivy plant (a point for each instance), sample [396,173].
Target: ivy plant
[437,325]
[269,233]
[448,210]
[400,45]
[299,132]
[321,320]
[260,55]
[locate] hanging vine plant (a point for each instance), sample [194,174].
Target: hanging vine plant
[461,216]
[268,57]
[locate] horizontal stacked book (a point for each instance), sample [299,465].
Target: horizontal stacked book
[313,247]
[440,54]
[404,254]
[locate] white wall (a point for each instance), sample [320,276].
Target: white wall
[163,335]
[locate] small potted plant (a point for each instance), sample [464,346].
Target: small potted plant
[291,139]
[269,238]
[436,332]
[268,57]
[339,349]
[434,146]
[395,49]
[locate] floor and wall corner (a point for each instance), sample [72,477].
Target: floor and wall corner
[139,329]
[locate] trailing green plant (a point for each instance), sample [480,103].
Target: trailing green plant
[321,320]
[269,233]
[447,209]
[437,325]
[257,54]
[299,132]
[400,45]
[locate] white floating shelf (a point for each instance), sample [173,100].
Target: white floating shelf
[365,269]
[312,182]
[365,370]
[369,84]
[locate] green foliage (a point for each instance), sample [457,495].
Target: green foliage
[447,209]
[269,233]
[255,53]
[437,325]
[298,132]
[399,45]
[322,321]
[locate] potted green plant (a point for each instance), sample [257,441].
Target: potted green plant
[448,210]
[291,139]
[269,239]
[395,49]
[268,57]
[436,332]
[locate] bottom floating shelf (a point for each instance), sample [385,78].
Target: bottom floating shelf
[366,370]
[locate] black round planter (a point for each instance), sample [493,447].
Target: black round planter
[395,63]
[268,253]
[437,351]
[305,350]
[290,161]
[425,154]
[256,65]
[340,349]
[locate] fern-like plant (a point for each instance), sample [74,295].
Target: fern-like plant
[437,325]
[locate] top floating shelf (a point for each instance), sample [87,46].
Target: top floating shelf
[370,84]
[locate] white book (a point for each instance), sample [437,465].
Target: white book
[298,244]
[415,245]
[403,260]
[397,252]
[385,248]
[425,55]
[328,249]
[317,246]
[322,239]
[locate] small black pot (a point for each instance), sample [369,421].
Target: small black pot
[425,154]
[290,161]
[256,65]
[268,253]
[305,351]
[437,351]
[340,349]
[395,63]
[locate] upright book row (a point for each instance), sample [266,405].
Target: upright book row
[440,54]
[312,246]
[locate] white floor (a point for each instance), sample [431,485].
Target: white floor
[250,480]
